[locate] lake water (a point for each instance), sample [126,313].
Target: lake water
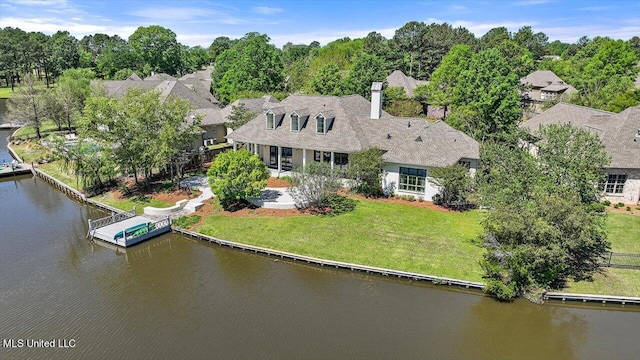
[176,298]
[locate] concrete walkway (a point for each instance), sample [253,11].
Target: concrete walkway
[270,198]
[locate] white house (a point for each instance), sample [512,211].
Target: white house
[620,134]
[305,128]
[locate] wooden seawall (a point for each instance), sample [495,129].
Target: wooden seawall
[336,264]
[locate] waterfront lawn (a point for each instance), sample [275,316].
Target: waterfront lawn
[55,170]
[386,235]
[128,203]
[622,282]
[624,232]
[29,131]
[28,153]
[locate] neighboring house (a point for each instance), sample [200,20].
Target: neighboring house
[306,128]
[214,120]
[408,83]
[620,134]
[399,79]
[544,86]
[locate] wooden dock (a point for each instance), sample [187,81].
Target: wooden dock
[126,229]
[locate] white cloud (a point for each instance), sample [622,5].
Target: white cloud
[265,10]
[78,30]
[479,28]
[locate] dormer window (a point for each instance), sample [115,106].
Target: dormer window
[271,121]
[321,124]
[295,122]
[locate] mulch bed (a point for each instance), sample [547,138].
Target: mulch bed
[277,183]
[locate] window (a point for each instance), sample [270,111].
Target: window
[615,183]
[465,163]
[320,122]
[295,124]
[413,180]
[270,121]
[340,159]
[316,155]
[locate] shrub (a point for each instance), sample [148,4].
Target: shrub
[367,169]
[311,183]
[454,183]
[235,176]
[186,222]
[620,204]
[597,207]
[616,206]
[628,208]
[337,204]
[286,178]
[606,203]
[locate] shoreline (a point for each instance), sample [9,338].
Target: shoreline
[437,280]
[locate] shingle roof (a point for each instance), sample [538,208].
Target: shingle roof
[399,79]
[541,78]
[160,76]
[353,130]
[617,131]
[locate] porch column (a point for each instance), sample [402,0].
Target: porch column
[332,160]
[235,146]
[304,157]
[255,149]
[279,160]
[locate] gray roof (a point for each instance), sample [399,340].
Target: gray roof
[617,131]
[541,78]
[399,79]
[217,116]
[160,76]
[192,89]
[352,130]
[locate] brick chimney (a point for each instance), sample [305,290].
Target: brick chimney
[376,100]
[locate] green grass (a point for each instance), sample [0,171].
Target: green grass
[624,232]
[5,92]
[30,152]
[406,238]
[29,131]
[129,203]
[377,234]
[55,170]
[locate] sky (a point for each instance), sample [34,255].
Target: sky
[199,22]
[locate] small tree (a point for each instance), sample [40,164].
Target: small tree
[239,116]
[27,106]
[235,176]
[454,183]
[367,169]
[309,185]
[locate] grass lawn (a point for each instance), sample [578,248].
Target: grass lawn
[29,152]
[378,234]
[55,170]
[128,204]
[45,128]
[624,232]
[406,238]
[5,92]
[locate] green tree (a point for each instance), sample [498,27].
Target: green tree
[239,116]
[219,45]
[158,48]
[27,106]
[486,99]
[541,230]
[64,52]
[536,43]
[327,81]
[252,64]
[410,41]
[517,57]
[367,169]
[494,37]
[236,176]
[445,79]
[140,129]
[454,183]
[365,70]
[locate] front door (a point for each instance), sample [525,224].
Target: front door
[273,156]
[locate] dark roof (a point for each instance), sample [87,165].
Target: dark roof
[617,131]
[352,130]
[160,76]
